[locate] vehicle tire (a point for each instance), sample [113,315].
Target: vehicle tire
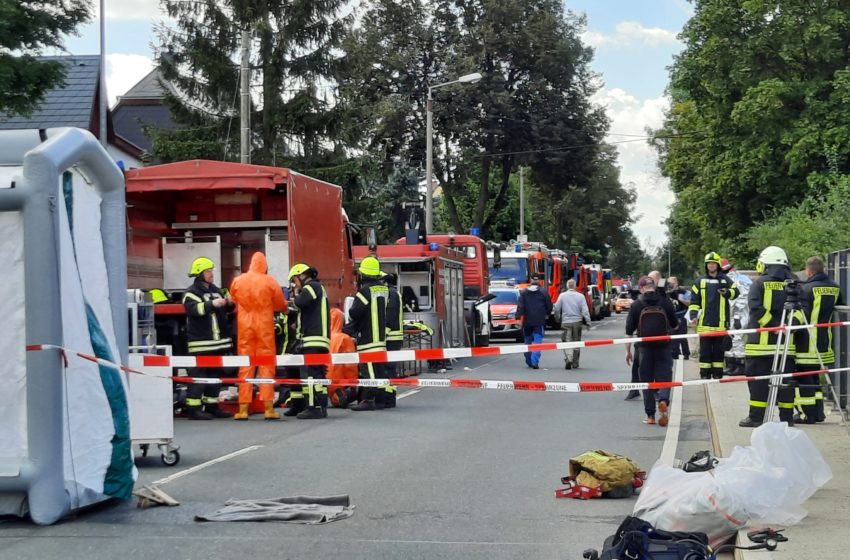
[171,458]
[482,340]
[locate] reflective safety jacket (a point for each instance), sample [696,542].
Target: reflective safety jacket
[819,296]
[395,315]
[706,296]
[206,326]
[286,331]
[766,300]
[314,315]
[368,317]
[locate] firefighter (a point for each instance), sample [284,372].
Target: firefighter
[340,394]
[258,296]
[710,297]
[206,330]
[818,295]
[395,334]
[766,301]
[287,338]
[368,327]
[311,300]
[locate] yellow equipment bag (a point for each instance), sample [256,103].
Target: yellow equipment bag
[603,470]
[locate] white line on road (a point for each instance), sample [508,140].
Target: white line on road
[671,441]
[196,468]
[408,393]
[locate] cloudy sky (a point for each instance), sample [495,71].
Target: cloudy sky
[634,40]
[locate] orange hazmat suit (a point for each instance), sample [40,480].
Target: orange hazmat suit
[257,296]
[340,342]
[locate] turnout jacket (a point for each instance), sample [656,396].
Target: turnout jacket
[206,326]
[368,317]
[395,315]
[314,315]
[706,296]
[818,296]
[765,302]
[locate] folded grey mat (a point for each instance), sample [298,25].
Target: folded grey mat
[311,510]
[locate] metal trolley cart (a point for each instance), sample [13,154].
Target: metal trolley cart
[151,396]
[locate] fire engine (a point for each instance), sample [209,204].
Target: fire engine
[227,212]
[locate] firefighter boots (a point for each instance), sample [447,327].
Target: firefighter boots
[216,412]
[243,412]
[270,414]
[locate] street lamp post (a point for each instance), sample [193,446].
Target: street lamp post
[429,148]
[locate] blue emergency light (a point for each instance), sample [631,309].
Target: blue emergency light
[475,231]
[433,246]
[518,247]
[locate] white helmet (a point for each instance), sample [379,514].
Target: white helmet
[772,255]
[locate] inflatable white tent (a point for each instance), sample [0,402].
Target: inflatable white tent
[65,442]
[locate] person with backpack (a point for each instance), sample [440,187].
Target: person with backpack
[653,315]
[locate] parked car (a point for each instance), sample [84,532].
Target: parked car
[597,303]
[623,302]
[503,311]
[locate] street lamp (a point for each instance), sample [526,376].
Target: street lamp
[429,148]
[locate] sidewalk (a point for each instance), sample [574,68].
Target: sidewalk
[823,533]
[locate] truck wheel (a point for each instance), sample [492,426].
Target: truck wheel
[482,340]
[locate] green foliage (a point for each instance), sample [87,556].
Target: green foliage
[291,61]
[759,115]
[816,227]
[26,29]
[198,142]
[628,260]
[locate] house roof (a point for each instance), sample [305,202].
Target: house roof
[143,105]
[148,87]
[70,104]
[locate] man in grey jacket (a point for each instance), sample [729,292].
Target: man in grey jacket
[571,310]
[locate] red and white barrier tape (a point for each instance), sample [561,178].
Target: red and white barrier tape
[426,354]
[545,386]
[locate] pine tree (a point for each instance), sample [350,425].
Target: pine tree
[27,28]
[292,60]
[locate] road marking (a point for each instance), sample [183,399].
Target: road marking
[197,468]
[671,440]
[407,393]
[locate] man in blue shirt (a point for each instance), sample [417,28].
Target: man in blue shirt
[533,309]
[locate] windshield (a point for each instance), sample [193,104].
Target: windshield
[505,297]
[515,269]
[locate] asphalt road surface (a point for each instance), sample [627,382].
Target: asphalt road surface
[456,474]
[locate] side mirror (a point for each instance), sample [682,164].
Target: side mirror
[497,257]
[485,299]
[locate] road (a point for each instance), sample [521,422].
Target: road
[456,474]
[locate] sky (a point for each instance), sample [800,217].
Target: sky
[634,43]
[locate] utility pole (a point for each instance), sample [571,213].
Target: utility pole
[103,106]
[521,202]
[245,98]
[429,164]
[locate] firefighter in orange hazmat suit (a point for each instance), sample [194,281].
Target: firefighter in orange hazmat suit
[257,296]
[341,342]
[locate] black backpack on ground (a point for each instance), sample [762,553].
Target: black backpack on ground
[636,539]
[652,320]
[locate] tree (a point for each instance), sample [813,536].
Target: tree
[292,64]
[629,260]
[28,28]
[759,101]
[534,96]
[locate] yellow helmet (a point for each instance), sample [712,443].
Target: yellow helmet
[713,257]
[199,265]
[370,267]
[158,296]
[298,270]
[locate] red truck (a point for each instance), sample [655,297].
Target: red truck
[227,212]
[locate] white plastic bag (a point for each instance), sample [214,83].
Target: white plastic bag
[765,483]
